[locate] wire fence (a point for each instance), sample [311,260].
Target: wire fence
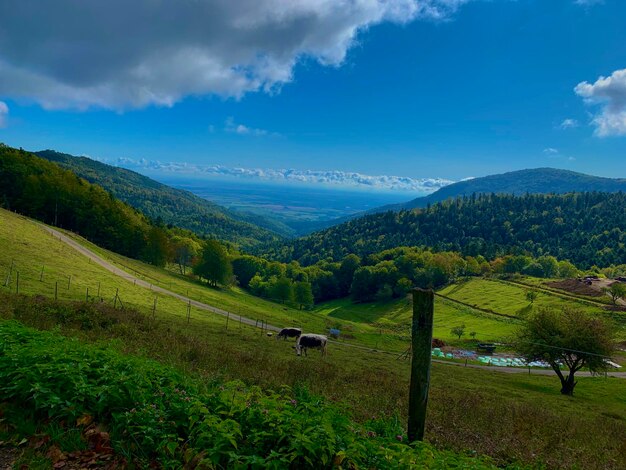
[20,278]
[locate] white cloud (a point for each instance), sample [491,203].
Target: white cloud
[4,112]
[118,54]
[555,154]
[587,3]
[232,126]
[328,177]
[569,123]
[610,94]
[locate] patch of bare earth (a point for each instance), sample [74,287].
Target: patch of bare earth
[576,287]
[8,456]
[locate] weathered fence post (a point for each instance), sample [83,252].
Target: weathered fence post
[115,299]
[188,312]
[41,274]
[17,285]
[69,281]
[154,309]
[87,295]
[8,279]
[421,341]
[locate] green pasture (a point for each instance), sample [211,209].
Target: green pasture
[396,316]
[511,417]
[509,299]
[45,266]
[29,248]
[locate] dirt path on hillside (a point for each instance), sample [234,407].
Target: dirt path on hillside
[140,282]
[248,321]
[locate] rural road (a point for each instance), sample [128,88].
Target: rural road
[140,282]
[248,321]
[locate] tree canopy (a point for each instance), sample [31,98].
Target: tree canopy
[214,265]
[585,229]
[568,338]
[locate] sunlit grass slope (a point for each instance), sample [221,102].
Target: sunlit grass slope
[396,316]
[27,247]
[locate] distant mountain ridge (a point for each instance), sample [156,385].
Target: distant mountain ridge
[530,181]
[173,206]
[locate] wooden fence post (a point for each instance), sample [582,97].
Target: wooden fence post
[421,341]
[8,279]
[188,312]
[41,274]
[87,295]
[154,308]
[17,285]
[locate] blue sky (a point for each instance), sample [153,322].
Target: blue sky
[467,88]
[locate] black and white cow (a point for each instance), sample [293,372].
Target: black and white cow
[289,333]
[311,341]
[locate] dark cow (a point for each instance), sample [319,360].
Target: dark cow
[289,333]
[311,341]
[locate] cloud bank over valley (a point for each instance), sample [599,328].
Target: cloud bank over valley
[334,178]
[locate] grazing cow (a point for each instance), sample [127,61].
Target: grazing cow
[311,341]
[289,333]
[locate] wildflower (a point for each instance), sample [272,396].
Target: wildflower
[294,402]
[399,437]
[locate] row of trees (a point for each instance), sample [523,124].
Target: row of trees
[381,276]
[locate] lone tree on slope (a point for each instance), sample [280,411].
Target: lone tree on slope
[616,291]
[569,338]
[531,295]
[458,331]
[214,265]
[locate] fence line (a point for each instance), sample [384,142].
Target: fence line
[260,324]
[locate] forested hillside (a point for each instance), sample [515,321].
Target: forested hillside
[585,228]
[173,206]
[42,190]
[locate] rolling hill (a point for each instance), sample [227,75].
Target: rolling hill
[531,181]
[173,206]
[584,228]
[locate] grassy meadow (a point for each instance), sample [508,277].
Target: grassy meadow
[510,417]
